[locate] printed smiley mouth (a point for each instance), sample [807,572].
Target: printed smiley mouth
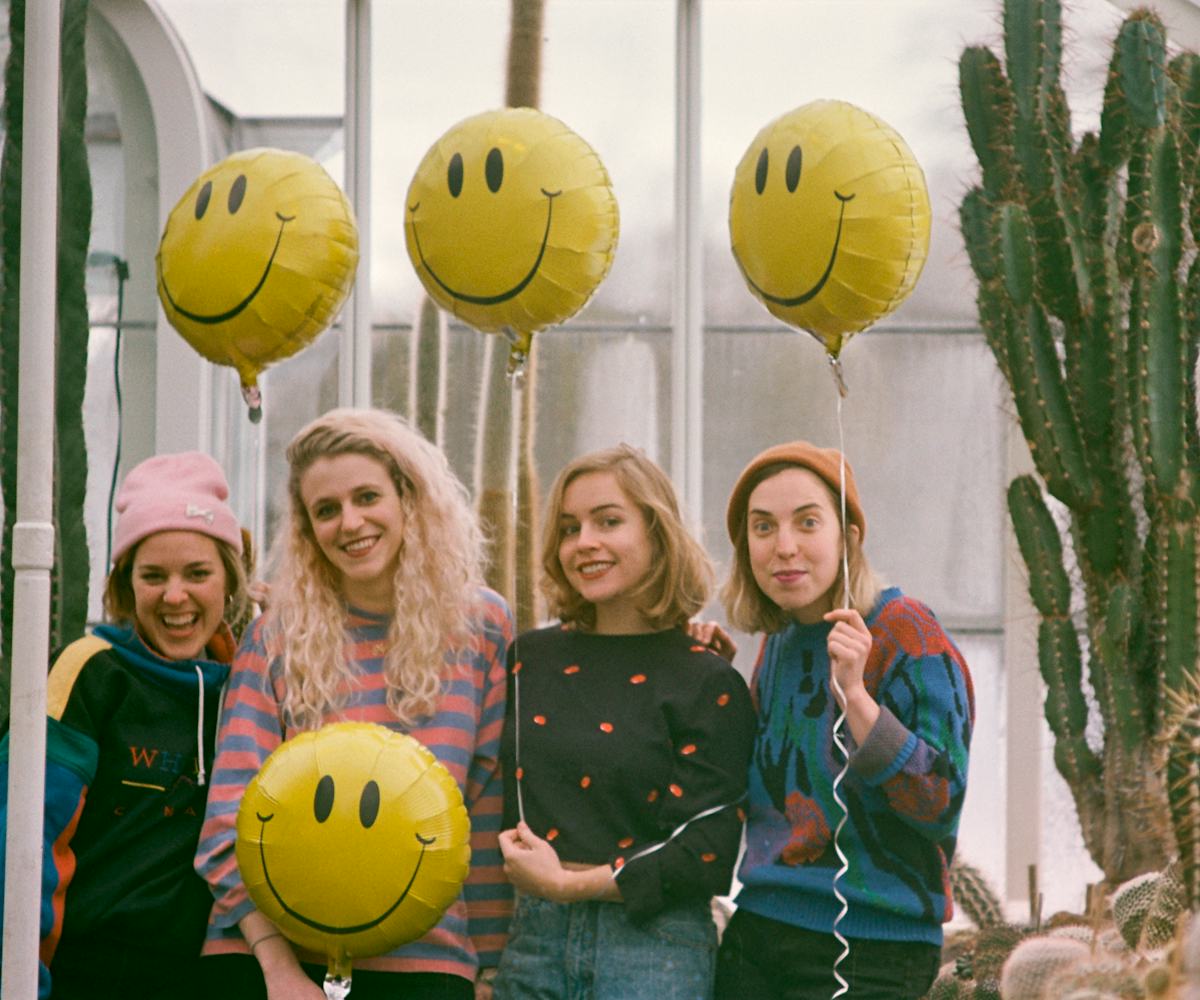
[799,300]
[329,928]
[488,300]
[229,313]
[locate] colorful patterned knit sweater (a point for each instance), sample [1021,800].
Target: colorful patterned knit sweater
[903,791]
[463,733]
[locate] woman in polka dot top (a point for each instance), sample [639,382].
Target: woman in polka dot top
[625,751]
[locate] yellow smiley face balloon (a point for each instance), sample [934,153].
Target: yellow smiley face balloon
[511,222]
[256,259]
[829,219]
[353,839]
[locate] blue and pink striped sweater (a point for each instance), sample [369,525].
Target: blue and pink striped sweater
[463,733]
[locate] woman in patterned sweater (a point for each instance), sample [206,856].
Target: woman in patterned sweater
[883,659]
[625,752]
[377,614]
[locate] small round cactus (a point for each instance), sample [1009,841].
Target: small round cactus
[1035,961]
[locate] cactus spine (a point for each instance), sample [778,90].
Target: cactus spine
[1089,306]
[514,539]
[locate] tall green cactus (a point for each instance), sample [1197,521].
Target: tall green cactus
[514,539]
[1089,303]
[69,577]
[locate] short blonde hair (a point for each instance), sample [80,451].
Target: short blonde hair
[681,576]
[437,583]
[747,607]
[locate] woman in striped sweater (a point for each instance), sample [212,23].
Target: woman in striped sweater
[377,614]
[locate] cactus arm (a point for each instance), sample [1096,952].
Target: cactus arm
[72,564]
[1179,581]
[1041,548]
[1038,388]
[988,110]
[1117,693]
[1141,55]
[1184,71]
[1042,140]
[10,278]
[1060,662]
[976,225]
[427,393]
[1160,380]
[1183,794]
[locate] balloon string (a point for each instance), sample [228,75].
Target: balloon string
[516,381]
[840,721]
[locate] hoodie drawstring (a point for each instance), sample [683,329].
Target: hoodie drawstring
[200,724]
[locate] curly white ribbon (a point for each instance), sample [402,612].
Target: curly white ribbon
[516,384]
[840,721]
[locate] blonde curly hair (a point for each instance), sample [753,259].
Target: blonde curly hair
[436,589]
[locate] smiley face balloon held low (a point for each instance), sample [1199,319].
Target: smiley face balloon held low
[353,839]
[511,222]
[829,218]
[256,258]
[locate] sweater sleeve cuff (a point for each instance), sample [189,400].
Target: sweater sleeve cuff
[885,751]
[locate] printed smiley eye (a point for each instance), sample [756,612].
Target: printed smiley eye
[791,172]
[760,172]
[237,193]
[323,800]
[454,175]
[493,169]
[202,200]
[368,805]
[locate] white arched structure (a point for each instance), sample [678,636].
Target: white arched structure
[161,116]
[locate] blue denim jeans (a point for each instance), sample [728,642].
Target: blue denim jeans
[590,951]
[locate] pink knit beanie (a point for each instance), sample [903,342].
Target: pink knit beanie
[182,492]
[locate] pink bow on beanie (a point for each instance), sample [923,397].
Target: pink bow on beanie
[181,492]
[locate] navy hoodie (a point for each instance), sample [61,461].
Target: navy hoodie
[127,734]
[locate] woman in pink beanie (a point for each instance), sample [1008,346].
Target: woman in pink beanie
[377,614]
[131,734]
[835,645]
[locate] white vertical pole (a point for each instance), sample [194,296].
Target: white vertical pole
[687,346]
[33,534]
[354,361]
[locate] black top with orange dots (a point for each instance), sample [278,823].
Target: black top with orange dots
[623,739]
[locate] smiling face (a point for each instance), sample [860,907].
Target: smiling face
[829,218]
[605,550]
[353,839]
[179,586]
[256,258]
[794,538]
[511,221]
[357,520]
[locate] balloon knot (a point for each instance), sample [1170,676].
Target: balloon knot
[839,377]
[252,394]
